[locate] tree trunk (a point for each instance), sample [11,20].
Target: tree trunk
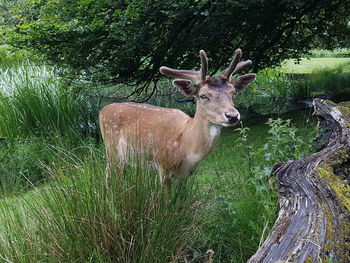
[313,224]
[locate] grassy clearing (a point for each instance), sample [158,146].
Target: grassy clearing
[310,65]
[336,53]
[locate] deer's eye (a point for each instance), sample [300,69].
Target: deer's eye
[204,97]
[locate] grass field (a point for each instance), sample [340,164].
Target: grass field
[309,65]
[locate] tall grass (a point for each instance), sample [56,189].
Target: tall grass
[276,92]
[84,218]
[21,166]
[33,102]
[228,206]
[37,110]
[325,82]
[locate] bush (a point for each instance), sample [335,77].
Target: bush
[10,56]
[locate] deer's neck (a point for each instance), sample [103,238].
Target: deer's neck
[202,135]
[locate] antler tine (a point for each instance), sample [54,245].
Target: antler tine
[198,76]
[228,72]
[242,65]
[176,73]
[204,66]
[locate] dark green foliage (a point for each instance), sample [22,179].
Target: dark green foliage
[126,42]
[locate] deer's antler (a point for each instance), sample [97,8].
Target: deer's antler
[198,76]
[235,65]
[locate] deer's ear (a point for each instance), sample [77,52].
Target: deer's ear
[185,86]
[243,81]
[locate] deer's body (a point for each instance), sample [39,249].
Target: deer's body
[168,138]
[139,129]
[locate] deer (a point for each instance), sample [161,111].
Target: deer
[173,142]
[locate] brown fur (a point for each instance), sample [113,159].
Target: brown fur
[167,136]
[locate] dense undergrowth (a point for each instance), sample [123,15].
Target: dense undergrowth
[57,205]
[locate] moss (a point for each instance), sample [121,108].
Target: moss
[336,239]
[329,244]
[308,259]
[345,104]
[339,158]
[341,189]
[344,107]
[344,110]
[331,102]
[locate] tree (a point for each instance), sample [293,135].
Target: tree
[127,41]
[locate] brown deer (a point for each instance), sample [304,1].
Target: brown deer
[168,138]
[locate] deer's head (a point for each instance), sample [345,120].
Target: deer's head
[214,94]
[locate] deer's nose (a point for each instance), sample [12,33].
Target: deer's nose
[232,117]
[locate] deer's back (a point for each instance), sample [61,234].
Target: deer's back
[152,130]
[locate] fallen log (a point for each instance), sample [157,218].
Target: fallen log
[313,224]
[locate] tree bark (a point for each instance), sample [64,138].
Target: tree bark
[313,224]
